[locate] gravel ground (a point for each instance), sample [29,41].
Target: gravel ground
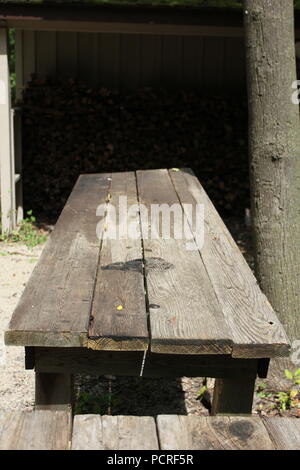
[16,384]
[105,395]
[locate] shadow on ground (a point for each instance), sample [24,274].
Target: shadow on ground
[138,396]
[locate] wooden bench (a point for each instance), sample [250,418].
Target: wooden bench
[52,430]
[144,306]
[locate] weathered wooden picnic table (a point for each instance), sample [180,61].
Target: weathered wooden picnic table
[144,306]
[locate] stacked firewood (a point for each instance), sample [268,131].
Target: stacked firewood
[69,129]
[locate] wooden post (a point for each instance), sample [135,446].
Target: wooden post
[233,396]
[53,391]
[6,158]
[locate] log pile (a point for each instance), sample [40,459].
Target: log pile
[69,129]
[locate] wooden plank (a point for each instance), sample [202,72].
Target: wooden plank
[29,56]
[67,55]
[185,316]
[86,361]
[234,64]
[109,61]
[123,27]
[141,15]
[172,61]
[93,432]
[46,54]
[55,307]
[35,430]
[193,62]
[151,60]
[212,433]
[284,432]
[213,63]
[254,326]
[129,363]
[120,281]
[130,62]
[174,365]
[88,58]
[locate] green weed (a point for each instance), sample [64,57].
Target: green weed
[26,233]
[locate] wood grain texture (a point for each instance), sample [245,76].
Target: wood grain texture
[185,316]
[109,60]
[35,430]
[234,395]
[284,432]
[93,432]
[254,326]
[129,363]
[90,292]
[151,60]
[46,63]
[53,391]
[88,50]
[212,433]
[198,61]
[87,361]
[29,58]
[67,54]
[120,279]
[55,306]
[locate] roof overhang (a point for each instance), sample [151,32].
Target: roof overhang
[130,19]
[156,20]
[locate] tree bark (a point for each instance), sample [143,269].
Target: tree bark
[274,146]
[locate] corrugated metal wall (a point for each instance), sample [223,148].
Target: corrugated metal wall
[129,61]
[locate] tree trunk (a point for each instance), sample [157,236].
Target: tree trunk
[274,145]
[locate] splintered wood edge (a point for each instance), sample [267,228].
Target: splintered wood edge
[190,347]
[258,351]
[75,339]
[114,344]
[44,338]
[237,351]
[80,339]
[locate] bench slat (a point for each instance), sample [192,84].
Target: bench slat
[185,316]
[93,432]
[55,306]
[120,282]
[284,432]
[178,432]
[254,326]
[35,430]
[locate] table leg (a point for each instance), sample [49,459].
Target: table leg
[233,396]
[53,391]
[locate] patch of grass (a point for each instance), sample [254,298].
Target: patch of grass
[281,401]
[290,399]
[88,403]
[26,233]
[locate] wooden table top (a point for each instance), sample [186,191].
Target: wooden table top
[135,293]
